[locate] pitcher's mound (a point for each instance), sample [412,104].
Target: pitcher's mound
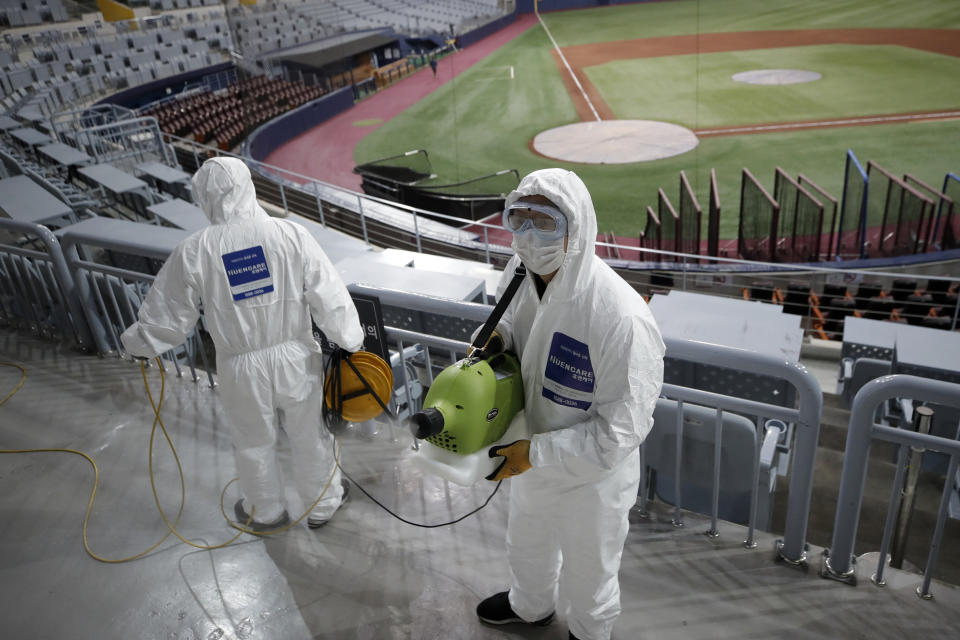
[776,76]
[614,141]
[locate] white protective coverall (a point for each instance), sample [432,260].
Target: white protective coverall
[592,364]
[260,279]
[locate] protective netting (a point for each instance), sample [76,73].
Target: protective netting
[713,222]
[849,241]
[785,192]
[651,236]
[670,230]
[950,220]
[900,212]
[801,217]
[915,209]
[931,232]
[759,218]
[690,216]
[828,227]
[883,208]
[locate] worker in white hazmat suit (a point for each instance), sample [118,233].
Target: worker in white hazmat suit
[592,364]
[260,279]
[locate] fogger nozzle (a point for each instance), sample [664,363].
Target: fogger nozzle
[426,423]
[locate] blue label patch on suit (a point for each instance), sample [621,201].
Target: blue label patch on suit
[248,273]
[568,377]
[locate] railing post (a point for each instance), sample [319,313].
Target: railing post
[922,418]
[363,219]
[416,231]
[89,334]
[283,196]
[838,561]
[323,221]
[678,467]
[956,312]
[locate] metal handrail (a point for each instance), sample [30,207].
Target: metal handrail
[838,561]
[792,547]
[62,274]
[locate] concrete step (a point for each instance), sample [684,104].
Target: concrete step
[834,423]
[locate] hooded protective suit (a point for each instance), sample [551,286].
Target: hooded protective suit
[592,364]
[260,279]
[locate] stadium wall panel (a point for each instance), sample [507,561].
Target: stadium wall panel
[268,137]
[480,33]
[144,94]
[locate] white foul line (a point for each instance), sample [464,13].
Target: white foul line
[567,65]
[826,123]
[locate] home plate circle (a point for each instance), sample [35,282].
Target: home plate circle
[776,76]
[614,141]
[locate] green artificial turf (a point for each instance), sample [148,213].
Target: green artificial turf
[484,120]
[699,91]
[681,17]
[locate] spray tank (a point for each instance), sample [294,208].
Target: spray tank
[473,404]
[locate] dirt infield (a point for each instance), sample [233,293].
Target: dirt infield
[942,41]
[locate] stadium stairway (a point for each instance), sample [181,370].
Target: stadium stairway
[880,474]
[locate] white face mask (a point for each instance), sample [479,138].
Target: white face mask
[539,255]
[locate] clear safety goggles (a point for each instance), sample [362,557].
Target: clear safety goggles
[547,222]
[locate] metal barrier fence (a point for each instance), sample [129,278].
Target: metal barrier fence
[851,229]
[828,217]
[650,237]
[759,221]
[64,123]
[899,211]
[949,224]
[670,230]
[37,290]
[801,220]
[444,328]
[713,224]
[125,143]
[929,240]
[690,218]
[839,561]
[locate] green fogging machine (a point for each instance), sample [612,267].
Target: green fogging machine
[472,403]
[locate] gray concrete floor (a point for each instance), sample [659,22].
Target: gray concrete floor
[365,575]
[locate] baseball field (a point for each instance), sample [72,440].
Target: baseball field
[887,86]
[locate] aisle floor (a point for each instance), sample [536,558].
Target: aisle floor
[365,575]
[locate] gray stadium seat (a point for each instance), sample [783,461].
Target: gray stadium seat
[737,455]
[859,372]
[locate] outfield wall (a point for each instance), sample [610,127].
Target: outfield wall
[277,132]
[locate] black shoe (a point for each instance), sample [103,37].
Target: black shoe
[243,517]
[571,636]
[497,610]
[314,523]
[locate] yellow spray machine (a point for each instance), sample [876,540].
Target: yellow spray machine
[472,405]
